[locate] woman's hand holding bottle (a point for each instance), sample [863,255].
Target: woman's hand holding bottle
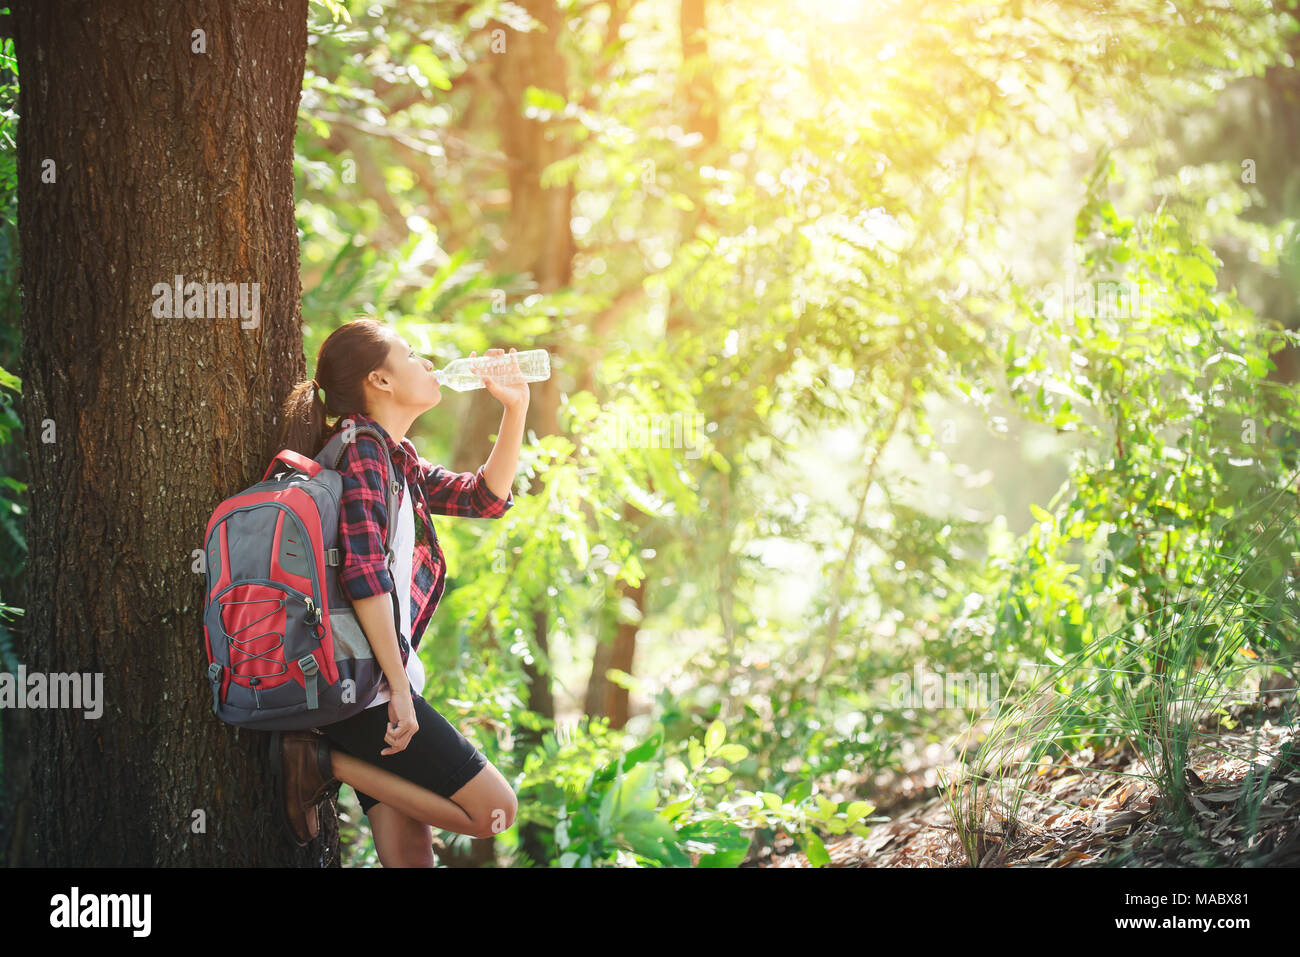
[510,388]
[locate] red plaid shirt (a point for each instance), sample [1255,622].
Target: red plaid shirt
[363,517]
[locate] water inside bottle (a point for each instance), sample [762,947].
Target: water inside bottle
[534,366]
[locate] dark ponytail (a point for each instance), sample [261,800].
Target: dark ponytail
[349,354]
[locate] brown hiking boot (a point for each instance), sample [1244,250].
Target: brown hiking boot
[300,761]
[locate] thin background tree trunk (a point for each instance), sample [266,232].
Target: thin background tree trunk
[697,92]
[540,244]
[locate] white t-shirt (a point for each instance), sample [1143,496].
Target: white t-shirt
[404,544]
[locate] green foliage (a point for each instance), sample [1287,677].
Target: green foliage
[635,812]
[1156,682]
[13,532]
[1176,446]
[836,271]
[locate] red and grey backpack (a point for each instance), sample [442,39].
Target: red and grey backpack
[285,648]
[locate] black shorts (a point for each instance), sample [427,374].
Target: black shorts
[437,757]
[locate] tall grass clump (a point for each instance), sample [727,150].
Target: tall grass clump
[1154,683]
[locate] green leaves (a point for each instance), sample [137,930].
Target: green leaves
[422,57]
[713,747]
[631,791]
[653,838]
[713,737]
[1198,266]
[815,849]
[627,817]
[336,9]
[720,843]
[542,99]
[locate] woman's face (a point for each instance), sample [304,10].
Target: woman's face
[414,381]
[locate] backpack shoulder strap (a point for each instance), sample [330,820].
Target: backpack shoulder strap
[389,531]
[335,460]
[331,456]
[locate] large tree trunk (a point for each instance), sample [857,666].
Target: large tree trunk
[148,149]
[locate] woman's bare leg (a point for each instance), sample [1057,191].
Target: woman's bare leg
[405,796]
[400,841]
[481,808]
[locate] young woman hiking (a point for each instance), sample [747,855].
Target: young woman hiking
[412,770]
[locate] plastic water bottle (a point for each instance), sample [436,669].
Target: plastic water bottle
[534,366]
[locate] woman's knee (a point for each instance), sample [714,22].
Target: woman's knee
[493,807]
[503,818]
[489,801]
[499,813]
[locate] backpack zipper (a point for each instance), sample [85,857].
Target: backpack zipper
[269,483]
[311,566]
[300,595]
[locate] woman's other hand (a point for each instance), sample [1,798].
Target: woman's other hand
[401,712]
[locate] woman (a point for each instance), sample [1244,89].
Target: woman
[411,769]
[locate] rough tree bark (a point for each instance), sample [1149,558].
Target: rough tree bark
[156,140]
